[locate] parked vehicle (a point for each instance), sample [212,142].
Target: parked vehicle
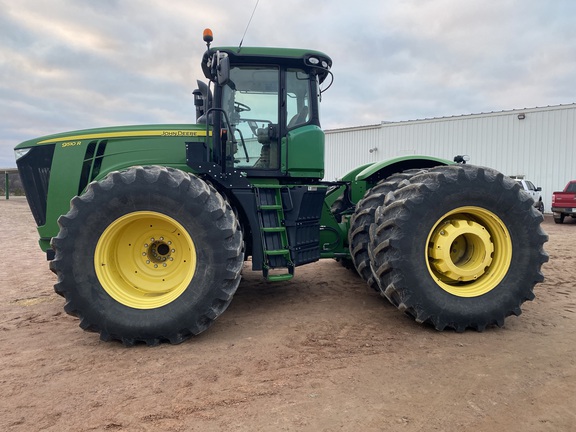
[564,203]
[534,191]
[148,227]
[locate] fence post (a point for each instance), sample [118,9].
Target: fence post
[7,185]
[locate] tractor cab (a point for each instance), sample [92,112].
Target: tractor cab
[262,108]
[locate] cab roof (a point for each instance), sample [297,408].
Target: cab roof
[291,57]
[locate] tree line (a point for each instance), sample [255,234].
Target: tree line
[14,181]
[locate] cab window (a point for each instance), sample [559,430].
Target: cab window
[298,98]
[250,100]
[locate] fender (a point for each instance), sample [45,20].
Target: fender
[382,169]
[366,176]
[351,175]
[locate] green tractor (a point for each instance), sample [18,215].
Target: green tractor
[148,227]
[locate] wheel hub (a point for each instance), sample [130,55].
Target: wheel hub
[145,260]
[461,250]
[468,251]
[158,252]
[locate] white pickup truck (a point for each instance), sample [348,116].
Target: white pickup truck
[533,191]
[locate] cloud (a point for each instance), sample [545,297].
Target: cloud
[72,64]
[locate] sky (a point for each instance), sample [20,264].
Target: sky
[75,64]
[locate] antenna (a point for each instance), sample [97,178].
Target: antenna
[249,21]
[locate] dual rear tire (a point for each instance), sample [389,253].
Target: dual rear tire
[456,247]
[363,217]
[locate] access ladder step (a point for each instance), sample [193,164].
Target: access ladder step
[280,277]
[273,229]
[277,262]
[277,252]
[270,207]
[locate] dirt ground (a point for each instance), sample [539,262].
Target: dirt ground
[318,353]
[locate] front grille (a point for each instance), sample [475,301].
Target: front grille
[34,169]
[92,163]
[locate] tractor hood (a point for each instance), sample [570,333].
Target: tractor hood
[75,138]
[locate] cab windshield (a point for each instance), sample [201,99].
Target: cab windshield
[251,99]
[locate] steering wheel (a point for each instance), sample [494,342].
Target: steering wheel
[239,107]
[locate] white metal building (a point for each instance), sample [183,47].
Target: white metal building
[538,143]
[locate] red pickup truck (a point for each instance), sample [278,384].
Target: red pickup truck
[564,203]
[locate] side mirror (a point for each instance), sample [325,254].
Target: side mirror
[461,159]
[222,68]
[215,65]
[538,189]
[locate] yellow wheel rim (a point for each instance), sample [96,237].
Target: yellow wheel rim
[469,251]
[145,260]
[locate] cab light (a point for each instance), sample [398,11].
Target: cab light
[18,153]
[207,35]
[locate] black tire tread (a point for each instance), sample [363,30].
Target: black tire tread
[363,217]
[193,188]
[392,227]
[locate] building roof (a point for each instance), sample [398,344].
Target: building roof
[457,117]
